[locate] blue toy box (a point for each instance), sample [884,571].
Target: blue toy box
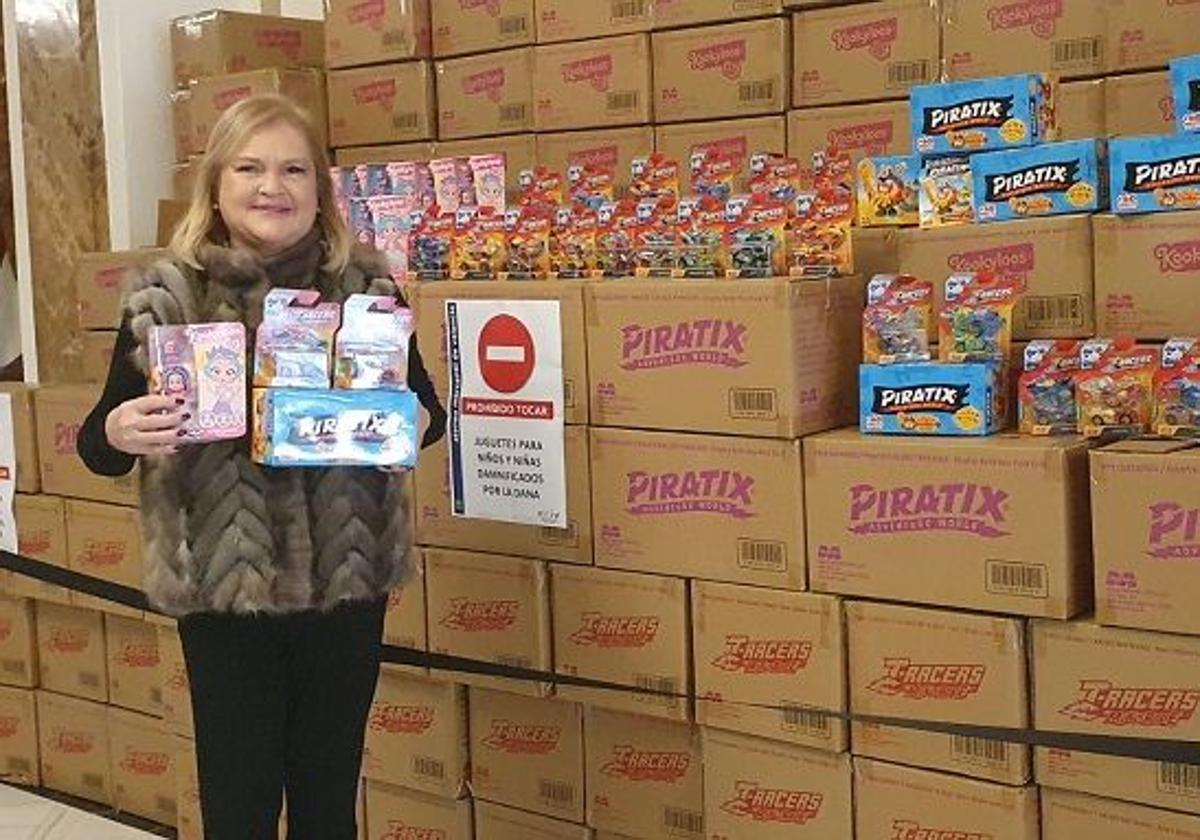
[983,115]
[311,428]
[932,399]
[1185,88]
[1154,174]
[1049,180]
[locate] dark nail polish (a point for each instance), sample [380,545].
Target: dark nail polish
[187,417]
[180,433]
[180,402]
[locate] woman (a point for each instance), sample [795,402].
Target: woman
[278,576]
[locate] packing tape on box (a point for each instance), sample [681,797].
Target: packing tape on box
[1147,749]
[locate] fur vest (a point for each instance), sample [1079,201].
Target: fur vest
[223,534]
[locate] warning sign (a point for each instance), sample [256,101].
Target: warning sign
[506,411]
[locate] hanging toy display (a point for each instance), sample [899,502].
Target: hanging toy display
[976,318]
[898,319]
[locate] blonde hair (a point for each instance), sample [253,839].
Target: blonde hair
[203,224]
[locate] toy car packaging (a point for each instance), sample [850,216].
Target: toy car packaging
[701,221]
[589,186]
[833,170]
[540,187]
[1114,387]
[573,243]
[932,398]
[477,251]
[655,237]
[371,348]
[778,178]
[296,428]
[897,320]
[888,190]
[1185,85]
[1046,388]
[205,366]
[615,224]
[756,237]
[975,324]
[429,245]
[528,244]
[293,347]
[653,176]
[818,234]
[715,176]
[453,184]
[983,115]
[487,179]
[1048,180]
[1154,174]
[1177,389]
[946,194]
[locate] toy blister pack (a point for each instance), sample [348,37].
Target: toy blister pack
[1154,174]
[946,195]
[371,348]
[888,190]
[1046,388]
[297,428]
[897,320]
[756,237]
[573,243]
[984,114]
[1177,389]
[932,398]
[430,244]
[1185,87]
[478,249]
[1114,387]
[391,218]
[653,176]
[453,184]
[615,223]
[589,186]
[778,178]
[655,237]
[541,188]
[818,235]
[701,237]
[527,245]
[293,347]
[205,366]
[1049,180]
[487,178]
[714,175]
[975,324]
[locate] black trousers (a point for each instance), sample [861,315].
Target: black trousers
[280,704]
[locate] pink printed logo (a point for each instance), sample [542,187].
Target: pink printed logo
[226,99]
[777,805]
[717,343]
[481,616]
[723,492]
[596,71]
[1013,260]
[370,12]
[489,82]
[601,157]
[874,138]
[729,147]
[909,830]
[967,508]
[729,57]
[1041,16]
[287,41]
[1178,257]
[876,37]
[492,7]
[1174,532]
[382,92]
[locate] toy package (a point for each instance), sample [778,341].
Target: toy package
[573,243]
[487,177]
[975,323]
[653,176]
[1114,387]
[984,114]
[888,190]
[293,346]
[701,237]
[589,186]
[946,193]
[205,366]
[932,398]
[898,319]
[615,222]
[1154,174]
[430,244]
[833,170]
[778,178]
[362,225]
[477,251]
[453,184]
[541,188]
[527,245]
[818,234]
[371,348]
[297,428]
[1177,389]
[391,218]
[1046,388]
[714,175]
[1048,180]
[655,240]
[756,237]
[1185,85]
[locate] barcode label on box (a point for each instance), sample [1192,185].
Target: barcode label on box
[514,661]
[513,113]
[1078,51]
[514,25]
[798,718]
[394,38]
[569,393]
[408,121]
[979,750]
[622,101]
[557,794]
[761,91]
[1179,779]
[753,404]
[1010,578]
[762,555]
[683,821]
[904,73]
[92,780]
[1058,311]
[430,768]
[568,536]
[662,691]
[628,9]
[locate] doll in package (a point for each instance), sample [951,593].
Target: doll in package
[453,184]
[897,320]
[1177,389]
[487,176]
[371,349]
[293,346]
[205,366]
[1046,388]
[976,318]
[1114,388]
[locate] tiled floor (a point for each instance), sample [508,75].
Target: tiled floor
[24,816]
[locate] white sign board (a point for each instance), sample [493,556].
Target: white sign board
[8,476]
[506,411]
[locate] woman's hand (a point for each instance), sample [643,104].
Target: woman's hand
[146,425]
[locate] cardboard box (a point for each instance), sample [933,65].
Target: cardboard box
[872,130]
[1147,268]
[1066,816]
[404,623]
[864,52]
[214,43]
[570,20]
[485,94]
[98,346]
[1053,257]
[527,752]
[964,755]
[374,32]
[475,27]
[183,178]
[775,358]
[734,70]
[672,13]
[437,526]
[183,131]
[170,214]
[604,82]
[519,150]
[1154,174]
[701,506]
[41,535]
[1000,38]
[421,150]
[212,97]
[21,399]
[143,766]
[394,812]
[934,399]
[70,652]
[1007,112]
[18,643]
[644,776]
[496,822]
[1144,531]
[417,734]
[18,737]
[105,541]
[1053,179]
[1106,681]
[612,149]
[627,629]
[1146,34]
[173,680]
[1140,103]
[134,675]
[73,743]
[98,281]
[774,791]
[1002,523]
[390,103]
[770,663]
[189,820]
[1081,110]
[895,801]
[491,609]
[1161,784]
[737,139]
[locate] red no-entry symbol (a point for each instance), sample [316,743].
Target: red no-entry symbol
[506,355]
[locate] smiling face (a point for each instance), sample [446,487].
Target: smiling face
[267,193]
